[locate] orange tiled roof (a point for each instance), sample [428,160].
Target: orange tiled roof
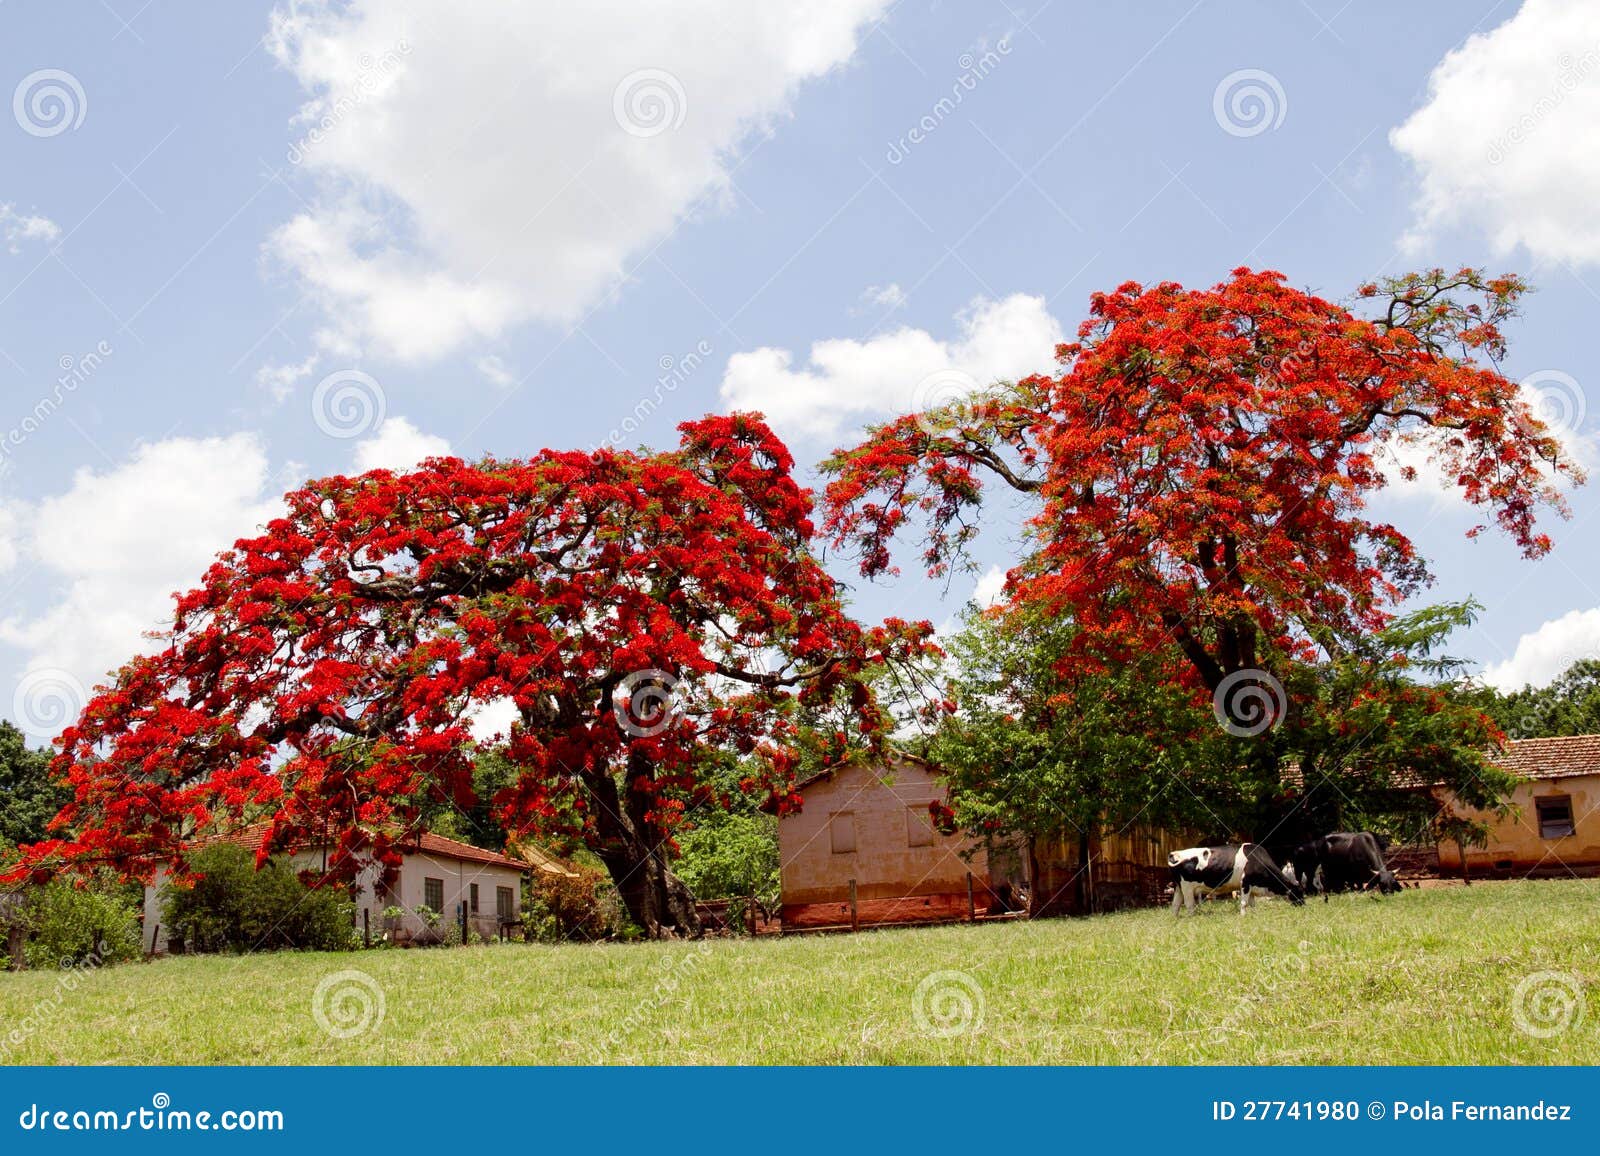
[1561,757]
[250,838]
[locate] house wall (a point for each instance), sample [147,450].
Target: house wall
[410,892]
[895,881]
[1516,848]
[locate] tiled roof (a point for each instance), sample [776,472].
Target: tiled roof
[1552,758]
[1560,757]
[250,839]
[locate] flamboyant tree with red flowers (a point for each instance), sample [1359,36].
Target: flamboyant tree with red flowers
[633,609]
[1204,459]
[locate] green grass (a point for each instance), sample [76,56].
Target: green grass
[1426,977]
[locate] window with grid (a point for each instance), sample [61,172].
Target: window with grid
[1555,816]
[433,893]
[472,898]
[505,903]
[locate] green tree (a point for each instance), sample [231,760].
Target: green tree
[232,906]
[1568,706]
[1032,747]
[29,797]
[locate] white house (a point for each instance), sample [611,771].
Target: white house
[441,874]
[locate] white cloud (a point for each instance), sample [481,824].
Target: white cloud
[485,164]
[280,379]
[900,372]
[1547,652]
[117,544]
[990,587]
[398,445]
[496,372]
[889,296]
[16,227]
[1506,140]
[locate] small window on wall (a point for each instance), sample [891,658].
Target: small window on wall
[472,898]
[433,894]
[504,903]
[842,832]
[919,827]
[1555,816]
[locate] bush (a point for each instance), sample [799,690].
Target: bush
[232,906]
[67,924]
[583,909]
[730,855]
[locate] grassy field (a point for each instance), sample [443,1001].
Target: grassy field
[1426,977]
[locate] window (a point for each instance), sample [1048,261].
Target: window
[472,898]
[1555,816]
[842,832]
[433,894]
[505,903]
[919,827]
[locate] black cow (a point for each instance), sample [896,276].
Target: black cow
[1341,861]
[1245,868]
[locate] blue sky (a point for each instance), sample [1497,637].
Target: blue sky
[264,243]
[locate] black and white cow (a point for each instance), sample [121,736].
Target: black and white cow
[1343,860]
[1245,868]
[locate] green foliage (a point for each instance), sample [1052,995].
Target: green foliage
[1377,746]
[729,855]
[1568,706]
[29,797]
[94,923]
[231,906]
[1029,751]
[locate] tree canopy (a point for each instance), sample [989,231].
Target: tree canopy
[1203,463]
[635,609]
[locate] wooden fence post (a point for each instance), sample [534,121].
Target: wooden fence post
[972,909]
[463,923]
[855,912]
[366,926]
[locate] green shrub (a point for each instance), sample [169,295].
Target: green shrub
[583,909]
[69,924]
[730,855]
[232,906]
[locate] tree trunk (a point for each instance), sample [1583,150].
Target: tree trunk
[633,850]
